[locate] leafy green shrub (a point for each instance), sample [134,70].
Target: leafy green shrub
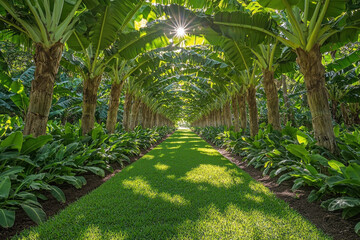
[29,165]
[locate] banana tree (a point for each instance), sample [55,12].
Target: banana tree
[48,24]
[247,71]
[127,109]
[120,71]
[267,58]
[103,41]
[96,33]
[119,77]
[250,78]
[307,26]
[239,104]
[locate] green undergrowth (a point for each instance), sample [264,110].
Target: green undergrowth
[183,189]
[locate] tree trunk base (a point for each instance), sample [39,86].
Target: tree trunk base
[253,111]
[113,106]
[314,75]
[47,63]
[91,86]
[272,99]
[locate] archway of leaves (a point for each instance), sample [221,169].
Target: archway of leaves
[105,39]
[183,79]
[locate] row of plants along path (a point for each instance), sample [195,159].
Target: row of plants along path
[29,166]
[292,154]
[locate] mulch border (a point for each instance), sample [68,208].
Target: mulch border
[331,223]
[51,206]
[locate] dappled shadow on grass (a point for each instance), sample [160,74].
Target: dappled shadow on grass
[179,191]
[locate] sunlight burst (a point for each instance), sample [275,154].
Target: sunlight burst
[180,23]
[180,32]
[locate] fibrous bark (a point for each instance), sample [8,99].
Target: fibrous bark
[141,116]
[272,99]
[253,111]
[157,120]
[218,115]
[314,74]
[242,110]
[213,113]
[91,86]
[134,113]
[47,62]
[235,109]
[146,116]
[127,110]
[153,119]
[222,116]
[227,115]
[113,106]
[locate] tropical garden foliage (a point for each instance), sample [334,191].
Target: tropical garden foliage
[87,83]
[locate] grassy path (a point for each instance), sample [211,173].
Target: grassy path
[183,189]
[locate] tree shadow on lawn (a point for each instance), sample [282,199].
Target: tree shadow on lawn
[180,190]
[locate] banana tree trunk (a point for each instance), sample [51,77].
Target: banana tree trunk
[138,114]
[212,119]
[215,118]
[218,113]
[148,121]
[314,75]
[236,114]
[127,109]
[242,109]
[222,118]
[272,99]
[227,115]
[156,120]
[141,115]
[47,62]
[114,102]
[253,111]
[91,86]
[134,114]
[146,117]
[153,119]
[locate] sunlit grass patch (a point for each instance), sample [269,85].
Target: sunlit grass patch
[142,187]
[208,151]
[190,192]
[214,175]
[161,167]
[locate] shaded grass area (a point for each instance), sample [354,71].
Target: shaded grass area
[183,189]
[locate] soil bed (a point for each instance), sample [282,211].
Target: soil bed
[330,223]
[51,206]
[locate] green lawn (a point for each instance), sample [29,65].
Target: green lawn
[183,189]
